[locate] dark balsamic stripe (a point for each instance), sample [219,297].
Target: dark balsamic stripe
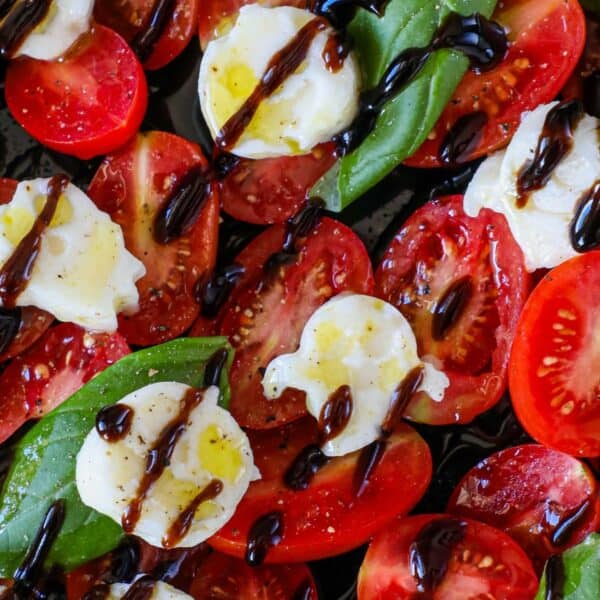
[264,533]
[555,578]
[114,422]
[584,230]
[142,589]
[462,138]
[146,38]
[567,527]
[304,467]
[450,307]
[212,294]
[214,367]
[335,414]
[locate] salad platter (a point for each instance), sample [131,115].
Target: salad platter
[299,299]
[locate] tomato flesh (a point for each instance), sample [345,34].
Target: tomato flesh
[529,492]
[88,103]
[554,381]
[53,369]
[546,39]
[132,186]
[440,246]
[486,563]
[326,518]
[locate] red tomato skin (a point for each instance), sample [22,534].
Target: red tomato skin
[548,31]
[559,321]
[52,100]
[53,369]
[132,185]
[385,572]
[264,317]
[325,519]
[519,490]
[440,231]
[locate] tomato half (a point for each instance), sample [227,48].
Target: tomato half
[326,518]
[88,103]
[133,185]
[546,39]
[485,563]
[273,189]
[470,273]
[544,499]
[129,16]
[266,312]
[34,322]
[553,377]
[54,368]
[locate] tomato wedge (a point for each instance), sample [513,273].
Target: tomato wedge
[133,185]
[326,518]
[546,39]
[127,17]
[86,104]
[54,368]
[273,189]
[266,312]
[544,499]
[466,560]
[461,282]
[553,377]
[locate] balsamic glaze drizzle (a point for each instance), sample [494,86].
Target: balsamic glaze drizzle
[214,367]
[145,39]
[29,573]
[10,324]
[114,422]
[16,271]
[450,307]
[462,138]
[264,533]
[212,294]
[368,459]
[565,529]
[142,589]
[482,41]
[304,467]
[585,227]
[555,578]
[182,208]
[340,12]
[335,414]
[430,552]
[554,143]
[19,19]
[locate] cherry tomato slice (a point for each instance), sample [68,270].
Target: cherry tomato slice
[133,185]
[553,377]
[129,16]
[544,499]
[485,563]
[34,322]
[326,518]
[266,312]
[546,39]
[439,256]
[53,369]
[273,189]
[88,103]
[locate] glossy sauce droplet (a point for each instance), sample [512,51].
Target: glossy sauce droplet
[214,367]
[567,527]
[18,21]
[182,208]
[450,307]
[10,323]
[368,459]
[462,138]
[304,467]
[554,143]
[142,589]
[555,578]
[264,533]
[213,293]
[335,52]
[146,38]
[224,163]
[400,398]
[585,226]
[340,12]
[335,414]
[430,553]
[114,422]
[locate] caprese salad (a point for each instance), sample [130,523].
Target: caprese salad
[212,387]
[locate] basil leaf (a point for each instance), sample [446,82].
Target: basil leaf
[405,121]
[581,571]
[43,469]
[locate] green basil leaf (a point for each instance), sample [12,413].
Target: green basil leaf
[406,120]
[581,570]
[43,469]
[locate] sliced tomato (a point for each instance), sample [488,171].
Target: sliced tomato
[326,518]
[441,254]
[86,104]
[553,377]
[546,39]
[273,189]
[133,185]
[34,322]
[129,17]
[485,563]
[544,499]
[266,312]
[54,368]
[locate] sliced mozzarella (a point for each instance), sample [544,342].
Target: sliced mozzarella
[83,272]
[541,227]
[309,108]
[161,591]
[362,342]
[212,447]
[65,21]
